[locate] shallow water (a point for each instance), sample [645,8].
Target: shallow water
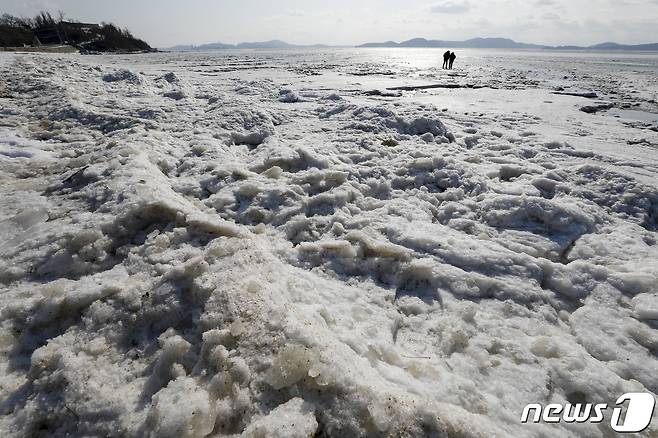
[642,116]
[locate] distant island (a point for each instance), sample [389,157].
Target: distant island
[504,43]
[474,43]
[46,33]
[272,44]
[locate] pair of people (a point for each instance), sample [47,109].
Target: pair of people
[449,59]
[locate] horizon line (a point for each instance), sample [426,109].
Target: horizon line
[540,45]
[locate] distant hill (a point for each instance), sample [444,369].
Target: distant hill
[504,43]
[475,43]
[189,48]
[273,44]
[613,46]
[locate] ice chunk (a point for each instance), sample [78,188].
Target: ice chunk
[290,366]
[30,217]
[287,95]
[293,419]
[123,75]
[182,410]
[646,306]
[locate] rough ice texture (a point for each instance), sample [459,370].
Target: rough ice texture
[192,248]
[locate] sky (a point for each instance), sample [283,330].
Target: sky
[164,23]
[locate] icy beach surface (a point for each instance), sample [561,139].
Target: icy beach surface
[331,243]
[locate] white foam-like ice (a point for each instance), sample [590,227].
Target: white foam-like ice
[203,245]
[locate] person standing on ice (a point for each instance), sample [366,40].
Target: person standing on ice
[452,59]
[446,58]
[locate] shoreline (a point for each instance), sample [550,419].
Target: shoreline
[71,49]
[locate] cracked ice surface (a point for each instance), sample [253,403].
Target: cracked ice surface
[256,243]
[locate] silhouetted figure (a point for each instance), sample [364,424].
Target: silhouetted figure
[452,60]
[446,59]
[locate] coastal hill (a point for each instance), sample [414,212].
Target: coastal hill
[45,31]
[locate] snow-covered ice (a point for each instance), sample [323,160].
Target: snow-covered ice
[316,243]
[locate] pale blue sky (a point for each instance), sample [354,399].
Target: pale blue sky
[168,22]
